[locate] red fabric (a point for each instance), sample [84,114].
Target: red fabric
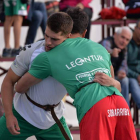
[125,1]
[99,123]
[72,3]
[133,11]
[52,4]
[28,7]
[112,13]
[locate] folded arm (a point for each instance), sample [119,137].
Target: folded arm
[26,82]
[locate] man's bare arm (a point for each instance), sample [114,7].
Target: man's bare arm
[105,80]
[112,71]
[7,92]
[115,83]
[26,82]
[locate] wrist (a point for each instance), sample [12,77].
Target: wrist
[8,114]
[117,85]
[113,83]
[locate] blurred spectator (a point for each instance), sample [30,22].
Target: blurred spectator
[117,47]
[132,8]
[52,7]
[14,11]
[133,61]
[38,17]
[83,4]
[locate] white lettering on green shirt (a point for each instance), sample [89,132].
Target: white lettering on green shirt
[80,61]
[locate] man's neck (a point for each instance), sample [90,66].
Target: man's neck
[76,35]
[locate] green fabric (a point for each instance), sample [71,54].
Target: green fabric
[13,9]
[74,64]
[27,130]
[133,59]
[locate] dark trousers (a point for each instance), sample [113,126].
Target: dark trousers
[39,18]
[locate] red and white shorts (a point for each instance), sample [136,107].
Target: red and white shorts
[108,119]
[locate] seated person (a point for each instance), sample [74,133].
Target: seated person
[116,46]
[133,61]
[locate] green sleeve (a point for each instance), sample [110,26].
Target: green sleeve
[40,67]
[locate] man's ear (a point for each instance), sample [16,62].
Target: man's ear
[84,33]
[69,35]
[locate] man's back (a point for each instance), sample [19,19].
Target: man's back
[74,64]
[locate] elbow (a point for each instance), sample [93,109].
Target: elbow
[19,89]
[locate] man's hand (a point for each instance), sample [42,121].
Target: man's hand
[121,75]
[105,80]
[80,5]
[115,52]
[12,124]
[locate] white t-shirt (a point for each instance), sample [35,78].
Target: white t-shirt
[49,91]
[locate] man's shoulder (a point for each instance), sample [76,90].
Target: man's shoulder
[110,38]
[30,48]
[132,44]
[108,41]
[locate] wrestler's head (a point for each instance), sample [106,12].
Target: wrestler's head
[59,26]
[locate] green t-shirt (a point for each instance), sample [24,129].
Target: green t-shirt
[74,64]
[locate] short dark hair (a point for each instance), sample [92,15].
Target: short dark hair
[80,19]
[60,22]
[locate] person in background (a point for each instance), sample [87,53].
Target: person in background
[83,4]
[117,47]
[132,8]
[133,61]
[37,17]
[14,11]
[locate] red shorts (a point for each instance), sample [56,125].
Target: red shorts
[108,119]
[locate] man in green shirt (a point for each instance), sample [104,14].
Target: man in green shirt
[101,110]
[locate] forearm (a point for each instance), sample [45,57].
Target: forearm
[7,96]
[116,84]
[7,92]
[26,82]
